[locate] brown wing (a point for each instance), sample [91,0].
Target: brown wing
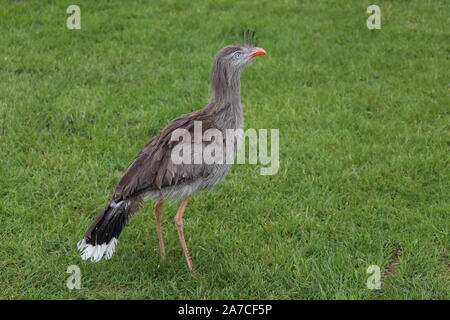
[153,168]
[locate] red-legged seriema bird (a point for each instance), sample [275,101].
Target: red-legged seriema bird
[153,174]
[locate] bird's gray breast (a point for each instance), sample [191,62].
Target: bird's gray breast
[232,120]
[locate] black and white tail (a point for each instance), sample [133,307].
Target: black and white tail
[100,239]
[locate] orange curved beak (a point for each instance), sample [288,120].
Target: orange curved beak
[258,52]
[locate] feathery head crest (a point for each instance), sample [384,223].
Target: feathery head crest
[249,37]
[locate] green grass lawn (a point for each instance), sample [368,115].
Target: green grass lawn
[364,148]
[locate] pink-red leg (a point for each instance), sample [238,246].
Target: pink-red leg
[179,224]
[158,213]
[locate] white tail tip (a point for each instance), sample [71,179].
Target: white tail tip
[96,252]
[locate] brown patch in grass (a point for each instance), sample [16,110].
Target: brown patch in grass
[393,264]
[390,269]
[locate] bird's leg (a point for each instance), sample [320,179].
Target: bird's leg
[158,213]
[179,224]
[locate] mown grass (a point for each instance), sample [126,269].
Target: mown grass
[363,118]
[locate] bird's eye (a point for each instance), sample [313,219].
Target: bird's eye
[237,55]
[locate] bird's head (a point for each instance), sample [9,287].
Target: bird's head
[234,57]
[229,62]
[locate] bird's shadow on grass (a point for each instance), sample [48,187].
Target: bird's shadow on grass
[135,267]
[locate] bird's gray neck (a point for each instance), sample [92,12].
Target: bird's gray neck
[226,89]
[225,105]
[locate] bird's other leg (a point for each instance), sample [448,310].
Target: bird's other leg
[158,213]
[179,224]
